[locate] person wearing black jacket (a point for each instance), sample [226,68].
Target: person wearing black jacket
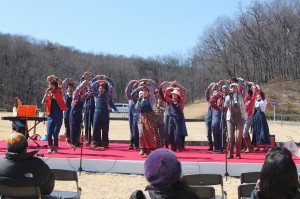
[19,168]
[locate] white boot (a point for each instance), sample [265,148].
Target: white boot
[50,150]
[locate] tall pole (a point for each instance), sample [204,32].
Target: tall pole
[1,86]
[274,112]
[274,103]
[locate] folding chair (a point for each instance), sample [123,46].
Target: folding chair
[10,192]
[249,177]
[204,192]
[195,180]
[66,175]
[244,190]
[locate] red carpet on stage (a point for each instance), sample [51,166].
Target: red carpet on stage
[119,159]
[121,152]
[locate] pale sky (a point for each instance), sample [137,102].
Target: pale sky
[143,28]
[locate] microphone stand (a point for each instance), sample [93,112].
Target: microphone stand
[89,127]
[224,133]
[81,149]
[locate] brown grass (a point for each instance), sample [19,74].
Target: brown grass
[196,110]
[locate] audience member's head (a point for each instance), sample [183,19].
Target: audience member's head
[279,149]
[16,143]
[21,168]
[278,177]
[162,167]
[17,101]
[163,171]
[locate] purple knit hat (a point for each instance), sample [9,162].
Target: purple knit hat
[162,167]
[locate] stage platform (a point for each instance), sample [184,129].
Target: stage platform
[119,159]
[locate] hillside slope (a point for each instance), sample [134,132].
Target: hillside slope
[196,110]
[283,91]
[286,93]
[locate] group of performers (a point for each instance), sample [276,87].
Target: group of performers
[68,100]
[156,116]
[236,106]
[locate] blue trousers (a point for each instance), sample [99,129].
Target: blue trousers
[101,127]
[53,128]
[18,126]
[216,128]
[248,123]
[67,123]
[135,130]
[208,122]
[88,115]
[175,131]
[130,119]
[75,125]
[162,134]
[166,126]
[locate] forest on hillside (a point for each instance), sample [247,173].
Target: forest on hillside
[260,43]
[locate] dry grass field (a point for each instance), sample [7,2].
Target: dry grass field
[120,186]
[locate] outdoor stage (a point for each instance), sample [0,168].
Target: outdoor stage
[119,159]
